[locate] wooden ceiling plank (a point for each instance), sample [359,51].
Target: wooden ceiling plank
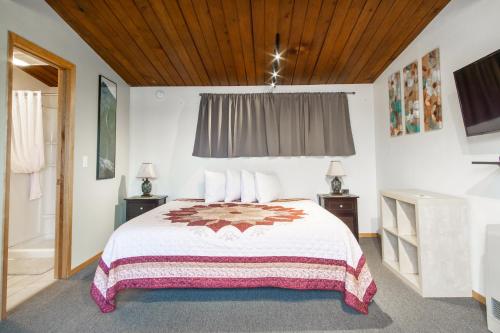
[100,44]
[382,11]
[341,10]
[324,20]
[296,29]
[179,37]
[44,73]
[201,64]
[416,11]
[245,27]
[258,28]
[284,27]
[438,6]
[219,23]
[348,26]
[193,26]
[203,15]
[233,27]
[150,25]
[312,27]
[271,20]
[137,28]
[359,30]
[382,32]
[111,26]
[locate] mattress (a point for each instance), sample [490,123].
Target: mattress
[292,244]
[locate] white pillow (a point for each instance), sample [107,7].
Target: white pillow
[233,187]
[215,186]
[247,187]
[267,187]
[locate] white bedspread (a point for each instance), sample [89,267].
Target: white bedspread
[290,244]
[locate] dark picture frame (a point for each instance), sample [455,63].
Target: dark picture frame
[106,129]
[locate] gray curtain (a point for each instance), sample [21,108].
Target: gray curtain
[284,124]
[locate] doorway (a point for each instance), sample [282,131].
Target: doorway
[39,171]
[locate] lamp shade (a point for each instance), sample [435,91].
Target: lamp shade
[146,171]
[335,169]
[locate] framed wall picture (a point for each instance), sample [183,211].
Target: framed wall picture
[431,87]
[106,129]
[412,110]
[395,107]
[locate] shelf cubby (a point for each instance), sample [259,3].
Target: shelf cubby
[390,249]
[406,218]
[389,213]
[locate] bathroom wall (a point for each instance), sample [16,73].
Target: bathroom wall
[35,218]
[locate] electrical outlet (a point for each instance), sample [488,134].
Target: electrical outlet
[85,161]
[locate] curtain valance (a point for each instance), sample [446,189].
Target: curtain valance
[278,124]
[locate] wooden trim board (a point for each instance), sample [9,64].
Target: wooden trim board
[84,264]
[368,235]
[64,195]
[478,297]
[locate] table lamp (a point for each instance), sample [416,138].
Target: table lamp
[336,170]
[146,172]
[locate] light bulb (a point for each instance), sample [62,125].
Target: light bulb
[277,56]
[275,74]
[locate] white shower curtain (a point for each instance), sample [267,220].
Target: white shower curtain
[27,147]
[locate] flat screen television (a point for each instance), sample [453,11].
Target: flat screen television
[478,86]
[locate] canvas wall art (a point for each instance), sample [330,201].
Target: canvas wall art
[431,84]
[412,113]
[106,129]
[395,107]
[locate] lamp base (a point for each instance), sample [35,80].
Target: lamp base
[336,186]
[146,188]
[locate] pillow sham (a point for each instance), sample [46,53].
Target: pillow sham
[247,187]
[233,185]
[215,186]
[267,187]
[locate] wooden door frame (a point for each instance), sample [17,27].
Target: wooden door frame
[64,167]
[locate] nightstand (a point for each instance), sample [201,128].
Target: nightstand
[138,205]
[345,207]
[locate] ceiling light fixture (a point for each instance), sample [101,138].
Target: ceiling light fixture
[19,62]
[276,62]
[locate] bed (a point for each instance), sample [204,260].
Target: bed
[292,244]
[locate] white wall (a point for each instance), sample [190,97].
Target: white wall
[163,131]
[441,160]
[93,201]
[34,218]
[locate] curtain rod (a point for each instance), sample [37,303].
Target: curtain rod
[317,92]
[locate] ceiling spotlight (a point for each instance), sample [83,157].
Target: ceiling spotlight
[277,56]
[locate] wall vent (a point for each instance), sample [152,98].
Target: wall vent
[495,306]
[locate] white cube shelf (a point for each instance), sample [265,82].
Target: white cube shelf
[425,241]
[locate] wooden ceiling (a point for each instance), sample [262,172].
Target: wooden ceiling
[230,42]
[45,73]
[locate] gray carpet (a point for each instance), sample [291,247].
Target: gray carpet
[66,306]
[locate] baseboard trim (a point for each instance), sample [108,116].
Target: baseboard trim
[84,264]
[368,235]
[478,297]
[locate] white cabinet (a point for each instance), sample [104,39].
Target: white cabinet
[425,241]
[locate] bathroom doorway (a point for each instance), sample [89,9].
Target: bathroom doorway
[39,172]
